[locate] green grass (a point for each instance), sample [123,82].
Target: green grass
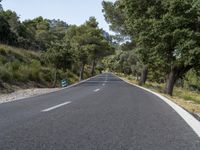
[187,95]
[18,53]
[24,69]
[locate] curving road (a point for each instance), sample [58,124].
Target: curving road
[103,113]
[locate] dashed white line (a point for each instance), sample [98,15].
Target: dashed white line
[55,107]
[104,84]
[96,90]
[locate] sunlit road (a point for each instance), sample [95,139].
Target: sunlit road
[103,113]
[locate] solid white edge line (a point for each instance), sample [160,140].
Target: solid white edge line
[56,106]
[72,85]
[189,119]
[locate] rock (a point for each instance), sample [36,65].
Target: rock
[21,94]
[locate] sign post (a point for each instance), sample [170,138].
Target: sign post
[64,83]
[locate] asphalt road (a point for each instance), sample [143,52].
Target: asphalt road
[103,113]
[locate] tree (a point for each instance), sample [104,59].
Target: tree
[21,36]
[98,43]
[39,30]
[44,32]
[4,30]
[117,15]
[179,45]
[60,57]
[7,36]
[57,29]
[140,16]
[1,8]
[170,30]
[88,43]
[166,34]
[77,38]
[12,19]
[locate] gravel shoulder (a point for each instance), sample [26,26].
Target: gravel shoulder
[21,94]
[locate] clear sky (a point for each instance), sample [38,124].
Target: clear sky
[70,11]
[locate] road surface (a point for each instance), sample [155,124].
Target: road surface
[103,113]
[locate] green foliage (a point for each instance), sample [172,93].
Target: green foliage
[9,54]
[5,75]
[88,43]
[77,37]
[63,47]
[192,81]
[123,61]
[68,75]
[165,33]
[115,16]
[36,34]
[22,67]
[49,49]
[1,8]
[7,36]
[59,55]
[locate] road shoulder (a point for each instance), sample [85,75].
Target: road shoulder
[189,119]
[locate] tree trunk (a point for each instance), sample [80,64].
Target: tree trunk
[81,71]
[175,73]
[171,79]
[137,77]
[93,67]
[143,77]
[55,78]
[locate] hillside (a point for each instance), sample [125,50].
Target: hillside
[21,68]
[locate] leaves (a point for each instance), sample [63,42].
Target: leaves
[165,33]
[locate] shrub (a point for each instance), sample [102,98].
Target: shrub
[2,60]
[35,68]
[5,74]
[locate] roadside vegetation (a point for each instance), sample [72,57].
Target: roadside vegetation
[20,68]
[41,52]
[159,40]
[158,46]
[186,98]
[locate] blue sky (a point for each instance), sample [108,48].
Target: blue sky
[70,11]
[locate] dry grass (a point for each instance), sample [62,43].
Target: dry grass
[21,68]
[188,100]
[18,52]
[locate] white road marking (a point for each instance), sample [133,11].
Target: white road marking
[106,78]
[104,84]
[96,90]
[95,81]
[189,119]
[55,107]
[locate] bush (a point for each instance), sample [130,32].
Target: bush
[192,81]
[23,67]
[35,68]
[46,76]
[5,74]
[2,60]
